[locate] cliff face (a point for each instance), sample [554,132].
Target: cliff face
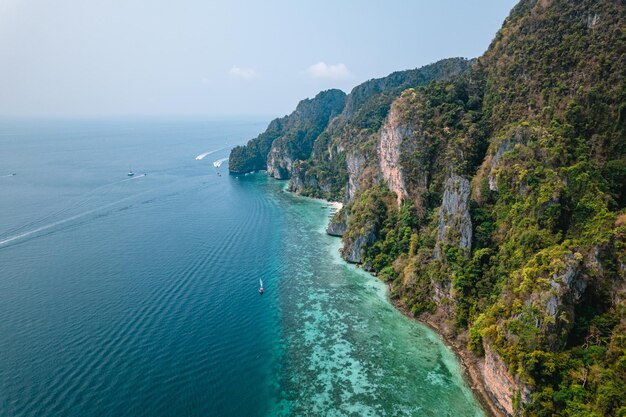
[392,135]
[355,165]
[501,386]
[491,195]
[338,224]
[344,154]
[289,138]
[353,248]
[279,163]
[454,226]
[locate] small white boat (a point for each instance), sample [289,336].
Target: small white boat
[261,287]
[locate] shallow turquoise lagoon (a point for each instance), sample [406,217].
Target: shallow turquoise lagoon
[138,296]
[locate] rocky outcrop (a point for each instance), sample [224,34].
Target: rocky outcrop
[308,179]
[492,162]
[355,162]
[289,138]
[338,223]
[389,146]
[500,385]
[455,224]
[279,163]
[353,248]
[553,304]
[566,287]
[300,178]
[592,20]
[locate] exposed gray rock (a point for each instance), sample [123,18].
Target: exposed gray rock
[338,223]
[568,285]
[298,180]
[552,305]
[304,179]
[504,146]
[592,20]
[518,136]
[353,248]
[455,224]
[442,294]
[355,162]
[279,163]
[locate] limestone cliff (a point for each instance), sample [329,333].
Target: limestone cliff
[389,147]
[454,226]
[355,165]
[344,156]
[280,161]
[338,223]
[527,266]
[500,385]
[352,250]
[289,138]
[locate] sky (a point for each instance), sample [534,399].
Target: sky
[227,57]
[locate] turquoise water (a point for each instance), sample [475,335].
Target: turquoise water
[138,296]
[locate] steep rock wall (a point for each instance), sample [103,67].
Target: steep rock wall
[355,163]
[499,383]
[289,138]
[454,224]
[389,147]
[352,250]
[279,163]
[338,223]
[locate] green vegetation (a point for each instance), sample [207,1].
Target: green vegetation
[355,130]
[542,117]
[253,156]
[295,133]
[538,126]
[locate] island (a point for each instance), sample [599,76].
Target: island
[490,194]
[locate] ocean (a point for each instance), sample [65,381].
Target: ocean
[138,295]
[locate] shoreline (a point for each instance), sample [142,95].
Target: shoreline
[469,364]
[335,205]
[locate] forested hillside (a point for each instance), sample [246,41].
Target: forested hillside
[491,195]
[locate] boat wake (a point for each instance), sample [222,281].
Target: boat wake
[219,162]
[87,199]
[60,222]
[203,155]
[130,179]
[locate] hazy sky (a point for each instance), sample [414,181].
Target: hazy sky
[156,57]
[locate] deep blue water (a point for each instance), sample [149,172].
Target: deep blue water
[138,296]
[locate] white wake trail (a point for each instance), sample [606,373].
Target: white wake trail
[219,162]
[85,200]
[203,155]
[69,219]
[132,178]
